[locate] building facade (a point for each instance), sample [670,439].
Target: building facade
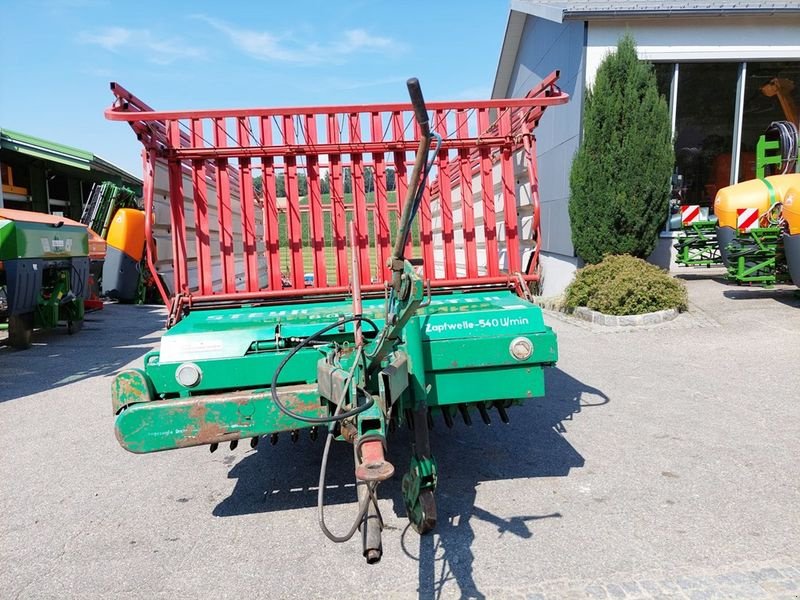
[727,70]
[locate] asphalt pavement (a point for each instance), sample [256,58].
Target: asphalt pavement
[663,463]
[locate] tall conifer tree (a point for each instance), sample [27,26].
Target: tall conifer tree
[619,182]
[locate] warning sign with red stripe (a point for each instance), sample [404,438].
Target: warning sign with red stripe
[746,219]
[689,213]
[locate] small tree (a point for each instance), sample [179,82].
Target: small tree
[619,181]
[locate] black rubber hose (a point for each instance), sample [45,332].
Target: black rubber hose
[312,338]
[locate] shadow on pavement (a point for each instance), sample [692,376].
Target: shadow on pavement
[784,295]
[532,445]
[699,273]
[110,339]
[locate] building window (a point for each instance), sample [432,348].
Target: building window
[704,124]
[771,94]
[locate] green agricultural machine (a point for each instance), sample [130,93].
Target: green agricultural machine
[748,229]
[696,244]
[44,270]
[390,333]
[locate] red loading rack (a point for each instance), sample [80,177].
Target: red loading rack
[213,156]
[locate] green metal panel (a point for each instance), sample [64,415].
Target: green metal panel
[484,352]
[461,340]
[473,385]
[20,239]
[154,426]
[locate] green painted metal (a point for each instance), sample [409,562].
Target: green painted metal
[697,245]
[44,149]
[461,340]
[757,257]
[22,239]
[766,155]
[194,421]
[54,304]
[421,477]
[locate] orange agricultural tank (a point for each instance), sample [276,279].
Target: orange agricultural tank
[126,232]
[752,194]
[791,210]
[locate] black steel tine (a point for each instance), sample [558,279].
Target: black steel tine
[313,433]
[465,414]
[213,447]
[484,413]
[295,436]
[273,438]
[234,443]
[501,410]
[254,441]
[448,418]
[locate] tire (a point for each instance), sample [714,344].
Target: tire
[20,328]
[74,326]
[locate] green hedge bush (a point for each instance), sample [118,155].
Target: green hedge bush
[625,285]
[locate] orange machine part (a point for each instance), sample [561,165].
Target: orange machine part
[126,232]
[791,210]
[751,194]
[26,216]
[97,246]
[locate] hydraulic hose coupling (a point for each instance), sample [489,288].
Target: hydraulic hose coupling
[373,465]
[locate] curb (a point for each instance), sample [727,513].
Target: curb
[653,318]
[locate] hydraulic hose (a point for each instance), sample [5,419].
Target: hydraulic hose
[787,136]
[303,344]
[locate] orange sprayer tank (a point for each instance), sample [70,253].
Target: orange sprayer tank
[126,232]
[751,194]
[791,210]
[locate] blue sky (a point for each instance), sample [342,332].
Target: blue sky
[58,57]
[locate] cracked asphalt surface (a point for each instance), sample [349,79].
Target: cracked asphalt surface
[661,464]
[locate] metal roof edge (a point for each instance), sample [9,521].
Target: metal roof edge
[508,51]
[586,15]
[100,164]
[30,142]
[549,12]
[61,154]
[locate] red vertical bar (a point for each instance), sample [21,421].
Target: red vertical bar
[202,249]
[445,200]
[271,235]
[337,204]
[224,210]
[401,173]
[359,201]
[381,220]
[467,208]
[293,221]
[426,235]
[509,187]
[487,195]
[533,175]
[176,205]
[315,202]
[248,201]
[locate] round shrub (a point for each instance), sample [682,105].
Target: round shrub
[625,285]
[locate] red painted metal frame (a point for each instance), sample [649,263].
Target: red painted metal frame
[331,144]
